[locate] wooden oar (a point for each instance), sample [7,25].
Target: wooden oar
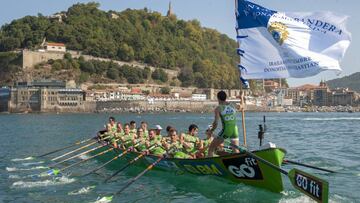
[67,147]
[75,156]
[128,164]
[78,149]
[309,166]
[108,162]
[151,166]
[308,184]
[56,171]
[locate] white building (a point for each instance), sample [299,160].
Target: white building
[198,97]
[59,47]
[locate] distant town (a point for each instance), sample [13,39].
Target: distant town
[61,96]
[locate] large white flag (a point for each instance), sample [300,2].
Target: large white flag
[282,45]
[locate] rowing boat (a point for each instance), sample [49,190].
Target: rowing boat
[237,168]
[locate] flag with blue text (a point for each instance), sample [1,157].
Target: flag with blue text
[288,44]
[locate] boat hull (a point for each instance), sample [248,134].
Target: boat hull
[238,168]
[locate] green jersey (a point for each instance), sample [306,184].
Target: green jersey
[191,141]
[157,150]
[228,120]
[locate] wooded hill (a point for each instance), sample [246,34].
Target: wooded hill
[352,82]
[205,57]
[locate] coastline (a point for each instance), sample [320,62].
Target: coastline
[188,106]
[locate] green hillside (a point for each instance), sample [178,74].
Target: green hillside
[352,82]
[205,57]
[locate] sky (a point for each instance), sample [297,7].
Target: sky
[217,14]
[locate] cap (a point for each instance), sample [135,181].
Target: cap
[209,127]
[158,127]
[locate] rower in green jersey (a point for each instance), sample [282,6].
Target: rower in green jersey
[144,126]
[154,140]
[140,140]
[227,113]
[205,143]
[119,128]
[110,128]
[133,127]
[191,140]
[175,148]
[127,138]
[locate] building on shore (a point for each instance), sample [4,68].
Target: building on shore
[4,99]
[46,96]
[312,95]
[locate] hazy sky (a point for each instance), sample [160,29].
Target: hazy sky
[218,14]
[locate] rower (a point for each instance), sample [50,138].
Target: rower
[127,137]
[158,129]
[119,128]
[133,127]
[175,148]
[110,128]
[227,113]
[205,143]
[154,140]
[140,140]
[144,126]
[191,139]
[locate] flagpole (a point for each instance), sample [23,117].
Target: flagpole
[242,107]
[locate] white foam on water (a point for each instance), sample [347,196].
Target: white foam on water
[11,169]
[83,190]
[14,177]
[32,163]
[300,199]
[23,159]
[45,183]
[104,199]
[331,119]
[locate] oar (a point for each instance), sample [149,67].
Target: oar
[75,156]
[151,166]
[128,164]
[309,166]
[308,184]
[67,147]
[78,149]
[108,162]
[56,171]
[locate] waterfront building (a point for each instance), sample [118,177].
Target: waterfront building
[198,97]
[4,99]
[343,97]
[321,95]
[45,96]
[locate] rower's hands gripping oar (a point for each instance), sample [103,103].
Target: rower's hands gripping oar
[67,147]
[129,163]
[78,149]
[308,184]
[56,171]
[111,160]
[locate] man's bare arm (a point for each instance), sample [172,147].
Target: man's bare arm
[216,119]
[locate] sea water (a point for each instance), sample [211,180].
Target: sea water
[328,140]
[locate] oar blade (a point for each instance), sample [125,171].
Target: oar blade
[312,186]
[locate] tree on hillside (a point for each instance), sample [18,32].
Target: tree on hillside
[159,74]
[165,90]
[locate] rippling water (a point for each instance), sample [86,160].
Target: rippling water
[329,140]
